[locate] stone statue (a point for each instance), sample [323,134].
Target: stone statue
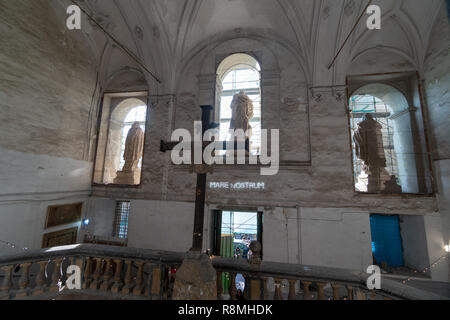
[255,248]
[242,112]
[392,186]
[134,148]
[369,148]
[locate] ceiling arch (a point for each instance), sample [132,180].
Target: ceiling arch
[170,31]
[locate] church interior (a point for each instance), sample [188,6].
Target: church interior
[351,97]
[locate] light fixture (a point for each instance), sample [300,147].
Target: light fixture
[447,248]
[86,222]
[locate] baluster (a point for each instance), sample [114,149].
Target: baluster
[40,279]
[255,289]
[373,295]
[128,281]
[247,289]
[172,278]
[265,288]
[306,293]
[166,283]
[292,294]
[77,261]
[219,286]
[87,273]
[24,280]
[321,290]
[117,286]
[106,284]
[350,292]
[56,276]
[139,279]
[7,283]
[360,295]
[277,295]
[156,282]
[232,286]
[148,283]
[97,274]
[336,287]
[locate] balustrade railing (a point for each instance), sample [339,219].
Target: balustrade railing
[127,273]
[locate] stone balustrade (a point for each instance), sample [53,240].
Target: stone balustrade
[127,273]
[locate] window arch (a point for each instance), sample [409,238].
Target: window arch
[236,73]
[120,114]
[382,128]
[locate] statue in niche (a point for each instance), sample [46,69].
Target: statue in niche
[369,148]
[241,114]
[134,149]
[392,186]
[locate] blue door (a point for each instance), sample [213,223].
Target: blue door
[386,240]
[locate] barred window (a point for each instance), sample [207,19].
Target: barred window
[121,219]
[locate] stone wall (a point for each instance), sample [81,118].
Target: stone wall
[437,94]
[315,149]
[46,89]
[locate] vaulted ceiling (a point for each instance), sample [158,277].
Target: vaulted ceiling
[163,33]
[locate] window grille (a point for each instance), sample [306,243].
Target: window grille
[122,213]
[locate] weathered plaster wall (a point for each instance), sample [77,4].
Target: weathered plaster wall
[47,79]
[23,222]
[437,94]
[414,237]
[311,213]
[101,214]
[305,235]
[435,245]
[316,169]
[437,80]
[166,225]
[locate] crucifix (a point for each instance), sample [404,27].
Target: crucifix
[200,193]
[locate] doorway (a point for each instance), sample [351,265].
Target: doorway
[387,245]
[233,233]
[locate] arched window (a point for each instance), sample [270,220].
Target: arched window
[236,73]
[120,114]
[387,151]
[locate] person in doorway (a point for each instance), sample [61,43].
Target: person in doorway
[240,295]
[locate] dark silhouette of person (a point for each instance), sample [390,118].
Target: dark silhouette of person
[240,295]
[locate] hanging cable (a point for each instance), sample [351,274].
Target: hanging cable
[348,37]
[127,51]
